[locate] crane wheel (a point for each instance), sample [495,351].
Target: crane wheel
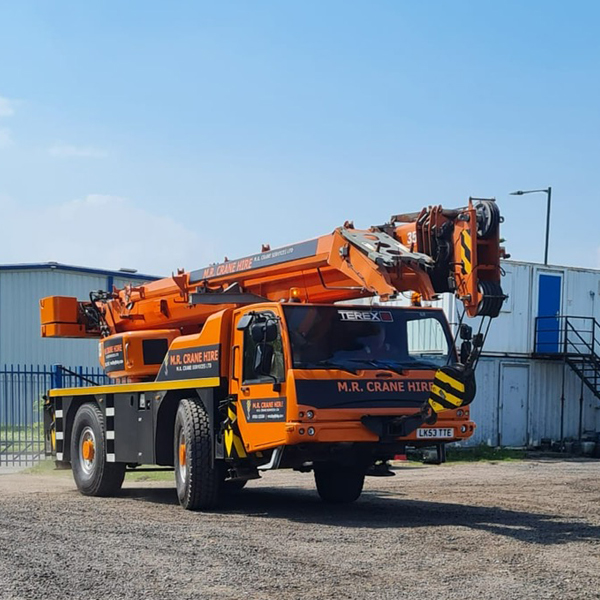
[492,299]
[93,475]
[338,484]
[197,476]
[488,218]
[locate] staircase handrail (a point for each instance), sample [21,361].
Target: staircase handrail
[572,338]
[576,331]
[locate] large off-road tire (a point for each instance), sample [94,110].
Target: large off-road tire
[339,484]
[197,476]
[93,475]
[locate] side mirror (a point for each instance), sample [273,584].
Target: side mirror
[244,321]
[465,332]
[264,331]
[257,331]
[263,360]
[271,330]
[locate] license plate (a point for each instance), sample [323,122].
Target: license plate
[435,433]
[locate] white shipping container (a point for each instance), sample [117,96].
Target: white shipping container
[518,400]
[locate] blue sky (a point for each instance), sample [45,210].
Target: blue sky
[159,135]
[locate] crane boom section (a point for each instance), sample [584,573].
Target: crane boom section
[434,251]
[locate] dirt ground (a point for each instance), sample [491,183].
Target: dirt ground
[528,529]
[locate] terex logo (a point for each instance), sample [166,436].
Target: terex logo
[365,315]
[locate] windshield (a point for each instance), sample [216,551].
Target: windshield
[354,338]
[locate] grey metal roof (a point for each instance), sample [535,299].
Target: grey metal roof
[62,267]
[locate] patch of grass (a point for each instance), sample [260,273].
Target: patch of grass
[153,475]
[45,467]
[16,438]
[12,431]
[483,453]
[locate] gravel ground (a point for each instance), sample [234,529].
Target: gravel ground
[527,529]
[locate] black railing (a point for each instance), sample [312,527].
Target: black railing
[575,340]
[565,335]
[22,388]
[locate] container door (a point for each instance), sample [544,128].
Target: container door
[514,393]
[548,328]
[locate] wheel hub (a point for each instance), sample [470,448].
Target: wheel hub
[182,453]
[87,450]
[182,456]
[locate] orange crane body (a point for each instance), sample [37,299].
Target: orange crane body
[262,362]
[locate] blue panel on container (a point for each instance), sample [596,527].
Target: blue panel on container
[548,334]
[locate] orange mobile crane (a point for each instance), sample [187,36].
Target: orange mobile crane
[264,363]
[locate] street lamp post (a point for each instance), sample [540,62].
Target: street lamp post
[548,192]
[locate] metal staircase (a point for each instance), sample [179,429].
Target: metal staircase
[576,340]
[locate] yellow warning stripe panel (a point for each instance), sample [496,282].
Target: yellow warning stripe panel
[231,415]
[233,441]
[239,447]
[455,383]
[149,386]
[437,407]
[465,251]
[438,391]
[228,436]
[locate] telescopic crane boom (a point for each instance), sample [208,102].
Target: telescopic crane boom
[434,251]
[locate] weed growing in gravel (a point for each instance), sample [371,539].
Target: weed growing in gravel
[483,453]
[47,467]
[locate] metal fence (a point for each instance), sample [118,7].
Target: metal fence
[22,388]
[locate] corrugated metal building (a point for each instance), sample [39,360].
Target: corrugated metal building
[520,398]
[22,286]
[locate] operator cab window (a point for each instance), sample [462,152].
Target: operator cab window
[426,340]
[351,338]
[276,373]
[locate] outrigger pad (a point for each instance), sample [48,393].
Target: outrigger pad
[453,387]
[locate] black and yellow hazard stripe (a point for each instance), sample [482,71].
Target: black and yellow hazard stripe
[466,244]
[452,387]
[234,446]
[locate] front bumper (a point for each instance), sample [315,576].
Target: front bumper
[357,431]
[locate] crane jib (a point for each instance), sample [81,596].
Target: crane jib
[256,261]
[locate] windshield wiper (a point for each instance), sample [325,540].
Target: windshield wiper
[329,363]
[379,364]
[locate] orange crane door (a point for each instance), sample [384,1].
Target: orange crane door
[259,365]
